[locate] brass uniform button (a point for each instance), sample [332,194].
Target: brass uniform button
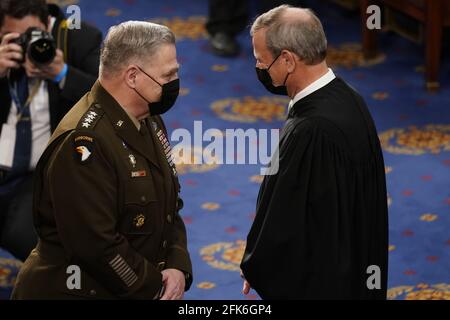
[169,218]
[139,220]
[93,292]
[143,199]
[164,245]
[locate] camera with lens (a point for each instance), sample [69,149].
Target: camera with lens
[38,45]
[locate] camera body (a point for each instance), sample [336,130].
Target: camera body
[38,45]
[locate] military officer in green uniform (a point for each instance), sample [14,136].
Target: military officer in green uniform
[106,197]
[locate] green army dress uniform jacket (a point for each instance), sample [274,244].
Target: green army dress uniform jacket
[106,201]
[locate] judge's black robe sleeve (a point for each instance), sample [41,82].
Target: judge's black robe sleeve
[314,233]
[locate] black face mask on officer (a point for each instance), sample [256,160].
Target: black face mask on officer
[169,95]
[265,78]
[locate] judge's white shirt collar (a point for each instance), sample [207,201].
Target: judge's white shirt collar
[316,85]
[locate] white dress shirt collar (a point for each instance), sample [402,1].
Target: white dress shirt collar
[316,85]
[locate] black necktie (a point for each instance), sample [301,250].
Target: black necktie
[143,130]
[22,150]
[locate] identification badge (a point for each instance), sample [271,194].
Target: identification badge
[7,144]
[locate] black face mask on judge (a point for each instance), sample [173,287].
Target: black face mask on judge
[265,78]
[169,95]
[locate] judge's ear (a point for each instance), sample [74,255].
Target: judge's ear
[130,74]
[290,59]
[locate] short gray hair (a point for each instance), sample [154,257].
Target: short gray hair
[305,38]
[132,41]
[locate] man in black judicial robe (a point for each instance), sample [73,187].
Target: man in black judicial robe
[321,227]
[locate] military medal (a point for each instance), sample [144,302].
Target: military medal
[140,173]
[166,147]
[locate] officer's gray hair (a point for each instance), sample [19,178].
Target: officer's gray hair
[132,42]
[304,37]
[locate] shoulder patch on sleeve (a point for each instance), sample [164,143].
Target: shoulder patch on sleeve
[83,144]
[91,117]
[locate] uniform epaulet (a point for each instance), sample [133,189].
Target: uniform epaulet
[91,117]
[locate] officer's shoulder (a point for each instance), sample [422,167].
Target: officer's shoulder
[90,119]
[74,119]
[89,135]
[87,125]
[78,134]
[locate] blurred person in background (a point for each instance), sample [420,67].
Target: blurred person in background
[36,91]
[227,18]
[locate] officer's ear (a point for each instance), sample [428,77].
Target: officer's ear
[131,74]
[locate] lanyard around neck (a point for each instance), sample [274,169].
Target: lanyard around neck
[21,108]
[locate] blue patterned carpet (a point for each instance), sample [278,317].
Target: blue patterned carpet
[414,128]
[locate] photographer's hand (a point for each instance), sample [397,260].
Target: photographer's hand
[10,53]
[46,72]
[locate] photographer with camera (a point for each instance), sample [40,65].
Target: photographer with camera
[45,68]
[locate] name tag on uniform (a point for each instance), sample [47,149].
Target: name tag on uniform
[140,173]
[7,144]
